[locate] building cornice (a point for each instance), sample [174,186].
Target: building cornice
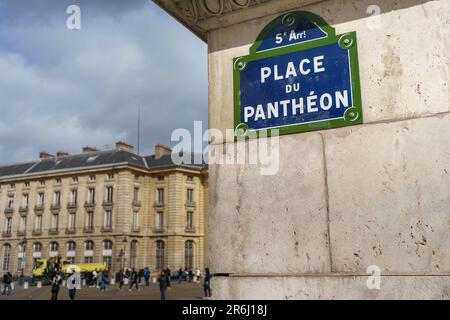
[202,16]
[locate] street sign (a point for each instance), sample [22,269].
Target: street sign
[299,76]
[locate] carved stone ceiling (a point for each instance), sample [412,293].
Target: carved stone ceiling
[200,16]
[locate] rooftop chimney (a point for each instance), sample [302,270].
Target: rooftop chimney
[88,149]
[120,145]
[161,150]
[62,154]
[45,155]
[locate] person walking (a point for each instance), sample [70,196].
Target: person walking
[207,283]
[134,280]
[56,285]
[147,276]
[163,284]
[7,279]
[104,281]
[72,285]
[180,275]
[119,278]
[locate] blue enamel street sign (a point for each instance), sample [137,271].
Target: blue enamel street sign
[299,76]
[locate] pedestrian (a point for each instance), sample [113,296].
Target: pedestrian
[72,285]
[147,276]
[134,280]
[56,285]
[198,274]
[99,279]
[163,284]
[190,275]
[119,278]
[168,274]
[104,281]
[180,275]
[7,279]
[207,283]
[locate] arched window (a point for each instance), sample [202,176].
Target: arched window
[107,253]
[107,245]
[89,245]
[54,246]
[37,251]
[189,254]
[133,253]
[37,247]
[6,257]
[71,247]
[160,248]
[89,251]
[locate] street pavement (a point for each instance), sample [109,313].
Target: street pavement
[182,291]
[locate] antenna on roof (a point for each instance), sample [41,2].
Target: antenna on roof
[139,130]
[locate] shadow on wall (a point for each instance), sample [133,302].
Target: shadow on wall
[334,12]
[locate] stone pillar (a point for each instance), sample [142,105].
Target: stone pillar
[347,201]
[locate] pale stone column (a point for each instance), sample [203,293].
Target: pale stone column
[343,199]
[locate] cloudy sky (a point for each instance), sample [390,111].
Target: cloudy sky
[62,89]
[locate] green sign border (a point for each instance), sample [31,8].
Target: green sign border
[352,116]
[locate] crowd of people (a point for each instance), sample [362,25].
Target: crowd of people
[101,279]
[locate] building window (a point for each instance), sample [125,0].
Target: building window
[190,195]
[40,200]
[12,186]
[160,178]
[37,249]
[190,178]
[160,248]
[110,176]
[42,183]
[73,197]
[88,259]
[109,194]
[108,261]
[54,246]
[159,220]
[38,223]
[6,257]
[57,198]
[71,222]
[71,260]
[135,225]
[133,254]
[89,220]
[137,177]
[92,178]
[136,195]
[89,245]
[71,246]
[107,245]
[8,225]
[23,224]
[91,195]
[160,195]
[74,179]
[10,202]
[25,200]
[189,254]
[58,181]
[27,184]
[107,220]
[55,221]
[190,220]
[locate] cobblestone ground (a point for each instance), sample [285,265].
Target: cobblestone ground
[183,291]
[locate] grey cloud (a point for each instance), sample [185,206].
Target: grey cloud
[63,89]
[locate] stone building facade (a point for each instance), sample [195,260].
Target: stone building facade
[113,206]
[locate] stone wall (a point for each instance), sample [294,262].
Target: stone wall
[343,199]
